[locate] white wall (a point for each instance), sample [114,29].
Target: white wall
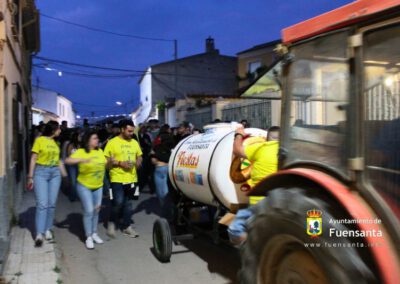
[143,113]
[171,116]
[51,101]
[37,118]
[65,111]
[44,99]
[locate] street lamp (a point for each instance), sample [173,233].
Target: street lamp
[118,103]
[59,73]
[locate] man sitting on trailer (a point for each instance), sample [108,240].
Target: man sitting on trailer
[264,160]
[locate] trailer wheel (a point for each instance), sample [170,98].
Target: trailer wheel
[276,250]
[162,240]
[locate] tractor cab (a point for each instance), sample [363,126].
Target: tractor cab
[342,106]
[339,85]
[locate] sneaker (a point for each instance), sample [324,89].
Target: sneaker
[129,231]
[89,243]
[97,239]
[39,240]
[111,230]
[48,235]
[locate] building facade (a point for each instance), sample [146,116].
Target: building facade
[253,61]
[142,113]
[49,101]
[19,38]
[256,106]
[164,83]
[254,64]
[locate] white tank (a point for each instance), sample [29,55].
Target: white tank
[199,166]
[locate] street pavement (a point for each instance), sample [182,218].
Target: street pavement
[130,260]
[26,264]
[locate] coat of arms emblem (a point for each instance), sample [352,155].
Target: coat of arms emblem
[314,223]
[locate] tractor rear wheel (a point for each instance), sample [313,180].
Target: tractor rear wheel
[279,250]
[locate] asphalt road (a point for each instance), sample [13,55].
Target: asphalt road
[128,260]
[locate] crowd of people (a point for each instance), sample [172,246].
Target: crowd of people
[113,160]
[116,161]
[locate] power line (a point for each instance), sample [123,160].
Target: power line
[96,106]
[88,75]
[104,31]
[138,73]
[124,104]
[85,65]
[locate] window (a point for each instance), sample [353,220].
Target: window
[318,89]
[253,66]
[382,111]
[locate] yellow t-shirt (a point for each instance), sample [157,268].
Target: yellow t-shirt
[91,175]
[47,150]
[264,158]
[123,150]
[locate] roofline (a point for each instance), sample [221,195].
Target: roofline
[148,71]
[335,19]
[205,95]
[44,111]
[58,94]
[192,56]
[260,46]
[244,89]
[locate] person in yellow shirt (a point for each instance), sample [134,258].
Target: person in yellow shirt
[125,155]
[45,171]
[264,160]
[91,168]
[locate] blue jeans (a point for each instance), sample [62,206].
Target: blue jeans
[91,202]
[121,204]
[72,174]
[47,181]
[161,182]
[239,225]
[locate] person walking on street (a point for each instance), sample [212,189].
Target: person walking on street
[144,172]
[45,171]
[160,157]
[125,156]
[72,170]
[91,168]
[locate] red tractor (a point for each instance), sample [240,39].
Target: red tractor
[332,211]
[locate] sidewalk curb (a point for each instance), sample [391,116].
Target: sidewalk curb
[26,263]
[4,249]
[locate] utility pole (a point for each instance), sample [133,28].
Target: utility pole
[176,66]
[176,74]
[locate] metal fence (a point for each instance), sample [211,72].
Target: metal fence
[383,103]
[199,117]
[256,112]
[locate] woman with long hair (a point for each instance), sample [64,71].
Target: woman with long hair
[161,153]
[71,146]
[91,168]
[45,171]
